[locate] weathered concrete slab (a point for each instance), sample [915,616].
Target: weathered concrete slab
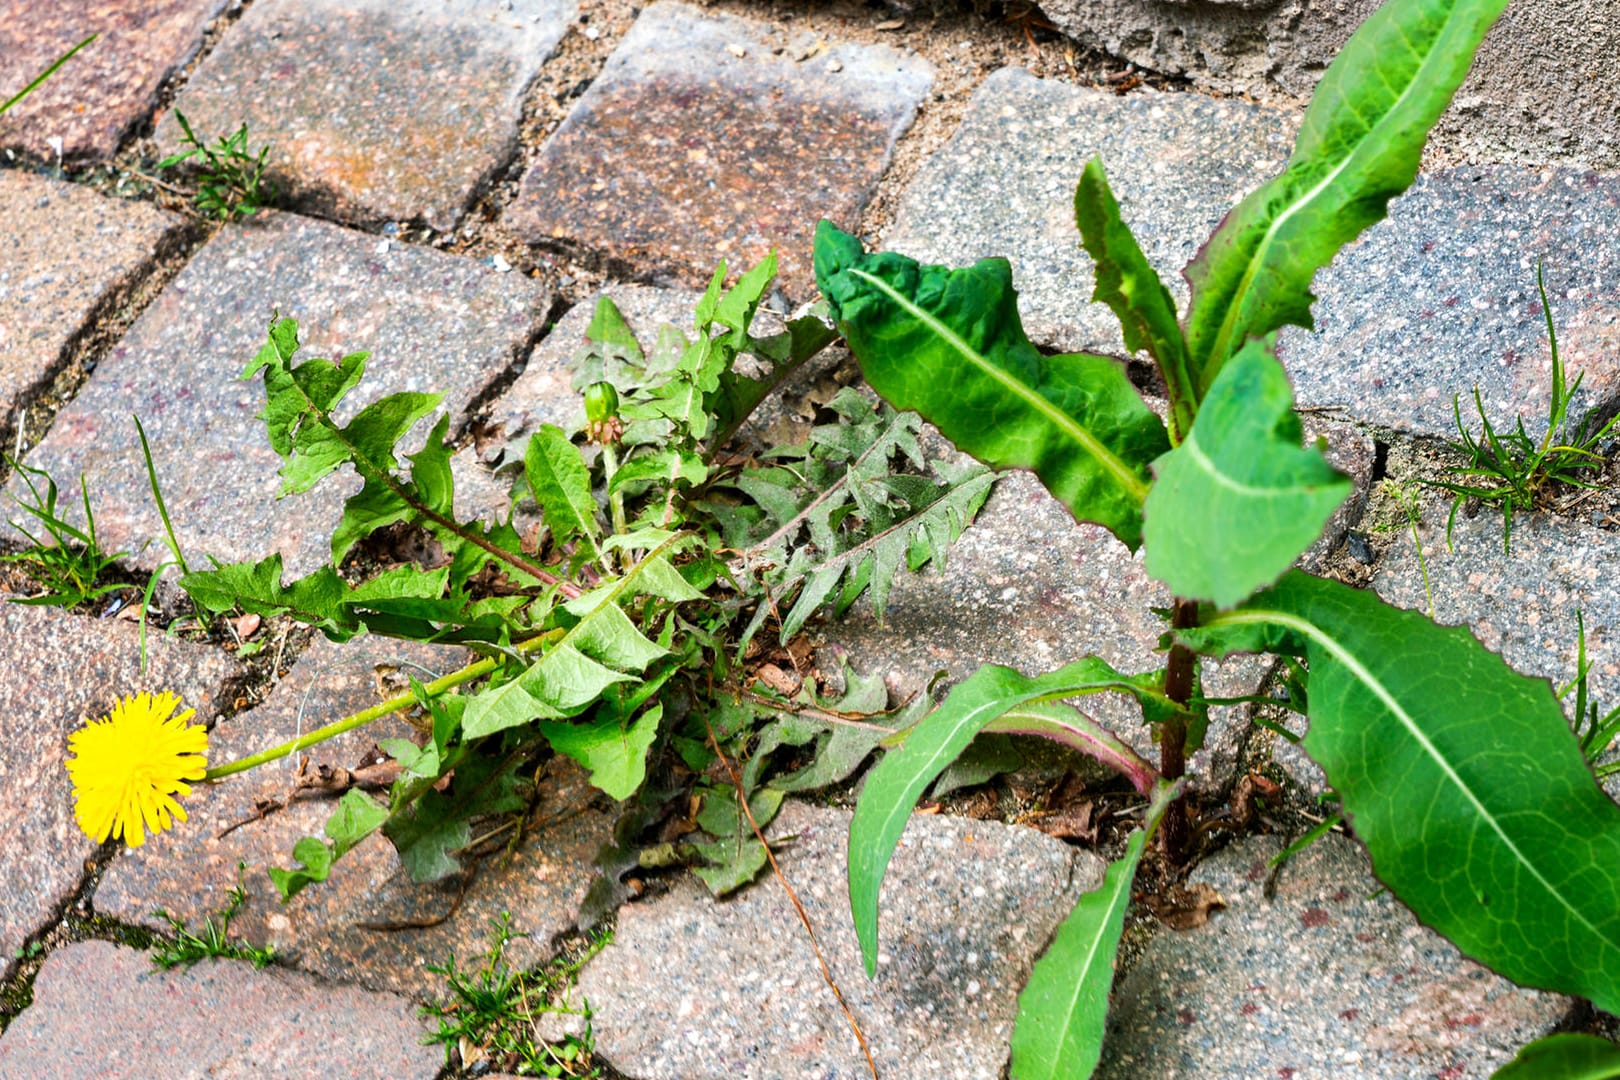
[1441,297]
[59,670]
[69,256]
[1322,975]
[96,98]
[432,322]
[1543,86]
[368,922]
[697,143]
[376,109]
[102,1012]
[1004,185]
[694,989]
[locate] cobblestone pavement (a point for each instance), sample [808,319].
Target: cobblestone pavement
[458,180]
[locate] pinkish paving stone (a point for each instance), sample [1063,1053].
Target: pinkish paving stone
[368,923]
[1312,971]
[60,669]
[69,256]
[432,322]
[376,109]
[703,138]
[109,87]
[103,1012]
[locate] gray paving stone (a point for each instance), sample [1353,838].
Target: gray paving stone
[376,109]
[58,670]
[692,989]
[332,928]
[432,322]
[1324,977]
[103,1012]
[95,99]
[70,255]
[1004,185]
[697,143]
[1441,298]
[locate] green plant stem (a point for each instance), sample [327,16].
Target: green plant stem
[1178,687]
[47,73]
[376,712]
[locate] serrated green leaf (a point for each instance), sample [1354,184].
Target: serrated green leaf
[356,817]
[316,860]
[373,507]
[561,485]
[1464,781]
[737,307]
[613,753]
[1564,1057]
[895,783]
[1359,145]
[315,599]
[735,856]
[1129,285]
[948,344]
[609,636]
[428,834]
[1240,498]
[609,328]
[986,757]
[431,477]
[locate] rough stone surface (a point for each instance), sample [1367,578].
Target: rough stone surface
[697,143]
[1004,185]
[110,86]
[102,1012]
[1441,297]
[69,255]
[693,989]
[340,928]
[376,109]
[1315,974]
[1543,87]
[1027,587]
[432,322]
[60,669]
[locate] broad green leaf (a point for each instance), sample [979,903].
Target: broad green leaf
[371,508]
[948,344]
[609,328]
[895,783]
[613,753]
[735,855]
[427,835]
[1358,147]
[1464,781]
[1063,1008]
[256,587]
[316,860]
[561,484]
[1240,498]
[1128,284]
[357,816]
[1564,1057]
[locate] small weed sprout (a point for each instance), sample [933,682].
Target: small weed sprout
[214,940]
[70,562]
[492,1014]
[1510,468]
[1597,732]
[230,177]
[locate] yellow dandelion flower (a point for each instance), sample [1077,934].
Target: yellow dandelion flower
[131,765]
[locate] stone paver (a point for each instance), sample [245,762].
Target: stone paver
[332,928]
[376,109]
[60,669]
[692,989]
[96,98]
[697,143]
[1324,978]
[102,1012]
[1004,185]
[70,256]
[1441,298]
[432,322]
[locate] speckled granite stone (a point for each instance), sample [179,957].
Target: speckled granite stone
[69,256]
[103,1012]
[697,143]
[331,928]
[59,669]
[109,87]
[1441,298]
[376,109]
[1004,185]
[432,322]
[692,989]
[1316,976]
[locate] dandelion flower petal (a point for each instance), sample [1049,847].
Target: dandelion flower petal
[130,768]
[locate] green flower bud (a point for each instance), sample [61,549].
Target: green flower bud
[601,402]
